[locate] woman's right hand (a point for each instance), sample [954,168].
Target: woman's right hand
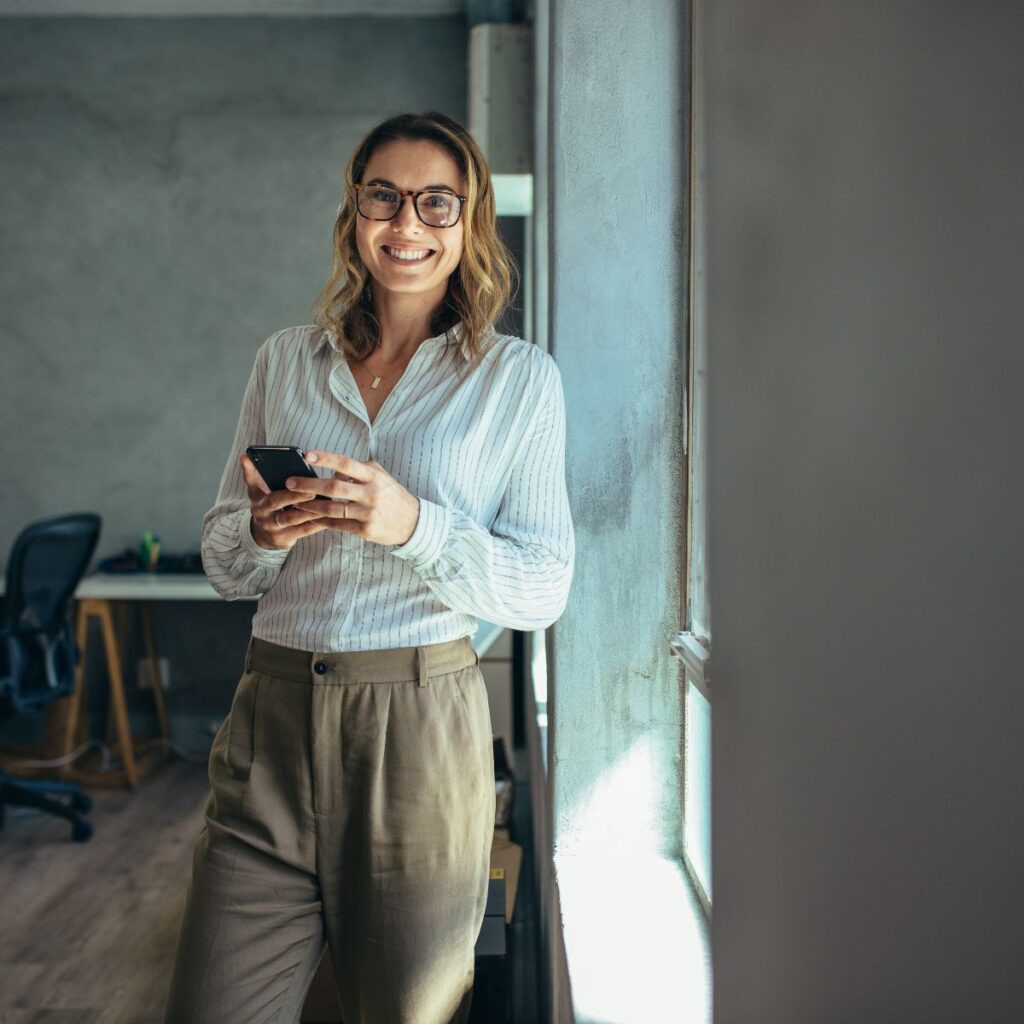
[271,526]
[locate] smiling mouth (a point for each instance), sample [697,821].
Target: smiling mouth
[408,256]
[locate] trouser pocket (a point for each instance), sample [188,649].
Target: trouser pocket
[473,693]
[241,727]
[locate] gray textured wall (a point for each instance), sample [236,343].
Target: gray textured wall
[169,187]
[865,227]
[616,235]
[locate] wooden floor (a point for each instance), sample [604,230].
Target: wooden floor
[89,928]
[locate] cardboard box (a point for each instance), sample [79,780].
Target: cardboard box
[507,856]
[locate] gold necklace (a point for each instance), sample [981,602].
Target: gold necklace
[377,378]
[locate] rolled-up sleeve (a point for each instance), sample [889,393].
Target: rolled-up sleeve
[518,573]
[235,564]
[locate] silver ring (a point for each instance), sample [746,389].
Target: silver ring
[277,521]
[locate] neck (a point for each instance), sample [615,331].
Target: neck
[404,320]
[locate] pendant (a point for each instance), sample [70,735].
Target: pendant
[376,381]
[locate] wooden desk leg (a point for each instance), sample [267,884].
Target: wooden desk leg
[101,609]
[155,674]
[122,633]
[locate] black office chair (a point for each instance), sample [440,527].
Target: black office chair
[38,653]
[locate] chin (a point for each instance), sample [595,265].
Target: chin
[399,283]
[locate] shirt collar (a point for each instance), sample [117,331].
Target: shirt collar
[438,339]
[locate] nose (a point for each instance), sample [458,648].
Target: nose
[407,216]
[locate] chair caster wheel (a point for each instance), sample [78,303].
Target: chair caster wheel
[81,831]
[81,802]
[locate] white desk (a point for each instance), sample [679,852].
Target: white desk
[149,586]
[189,586]
[145,586]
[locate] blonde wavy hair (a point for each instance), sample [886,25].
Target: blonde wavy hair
[481,286]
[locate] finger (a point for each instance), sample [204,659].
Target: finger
[253,480]
[283,521]
[275,500]
[336,509]
[359,471]
[322,487]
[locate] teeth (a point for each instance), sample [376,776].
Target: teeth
[404,254]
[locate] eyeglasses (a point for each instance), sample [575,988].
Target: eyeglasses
[435,209]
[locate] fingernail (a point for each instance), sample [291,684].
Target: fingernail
[311,456]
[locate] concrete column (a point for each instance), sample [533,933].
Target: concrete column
[615,193]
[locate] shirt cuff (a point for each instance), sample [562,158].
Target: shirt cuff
[261,555]
[428,538]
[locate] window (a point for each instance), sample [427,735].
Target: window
[693,644]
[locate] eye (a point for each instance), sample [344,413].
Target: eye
[438,200]
[384,195]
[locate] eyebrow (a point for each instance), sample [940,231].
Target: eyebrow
[426,188]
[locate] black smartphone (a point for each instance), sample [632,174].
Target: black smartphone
[277,462]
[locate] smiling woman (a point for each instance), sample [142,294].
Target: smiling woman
[352,784]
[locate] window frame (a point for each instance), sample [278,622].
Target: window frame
[692,644]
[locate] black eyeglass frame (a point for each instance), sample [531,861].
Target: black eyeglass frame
[415,196]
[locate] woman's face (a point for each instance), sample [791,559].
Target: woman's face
[411,165]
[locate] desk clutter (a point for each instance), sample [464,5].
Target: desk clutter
[492,977]
[147,558]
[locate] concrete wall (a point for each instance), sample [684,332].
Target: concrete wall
[865,227]
[169,187]
[611,201]
[616,236]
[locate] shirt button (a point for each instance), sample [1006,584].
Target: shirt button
[320,668]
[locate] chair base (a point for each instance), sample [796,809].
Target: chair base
[41,794]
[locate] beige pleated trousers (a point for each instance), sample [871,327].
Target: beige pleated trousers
[351,804]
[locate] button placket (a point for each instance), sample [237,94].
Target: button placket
[343,387]
[326,744]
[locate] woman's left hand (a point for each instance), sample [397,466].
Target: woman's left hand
[378,508]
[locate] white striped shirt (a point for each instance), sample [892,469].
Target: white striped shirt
[486,457]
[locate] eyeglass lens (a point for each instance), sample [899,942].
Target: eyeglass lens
[439,209]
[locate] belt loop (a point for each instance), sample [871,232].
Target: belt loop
[248,656]
[421,658]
